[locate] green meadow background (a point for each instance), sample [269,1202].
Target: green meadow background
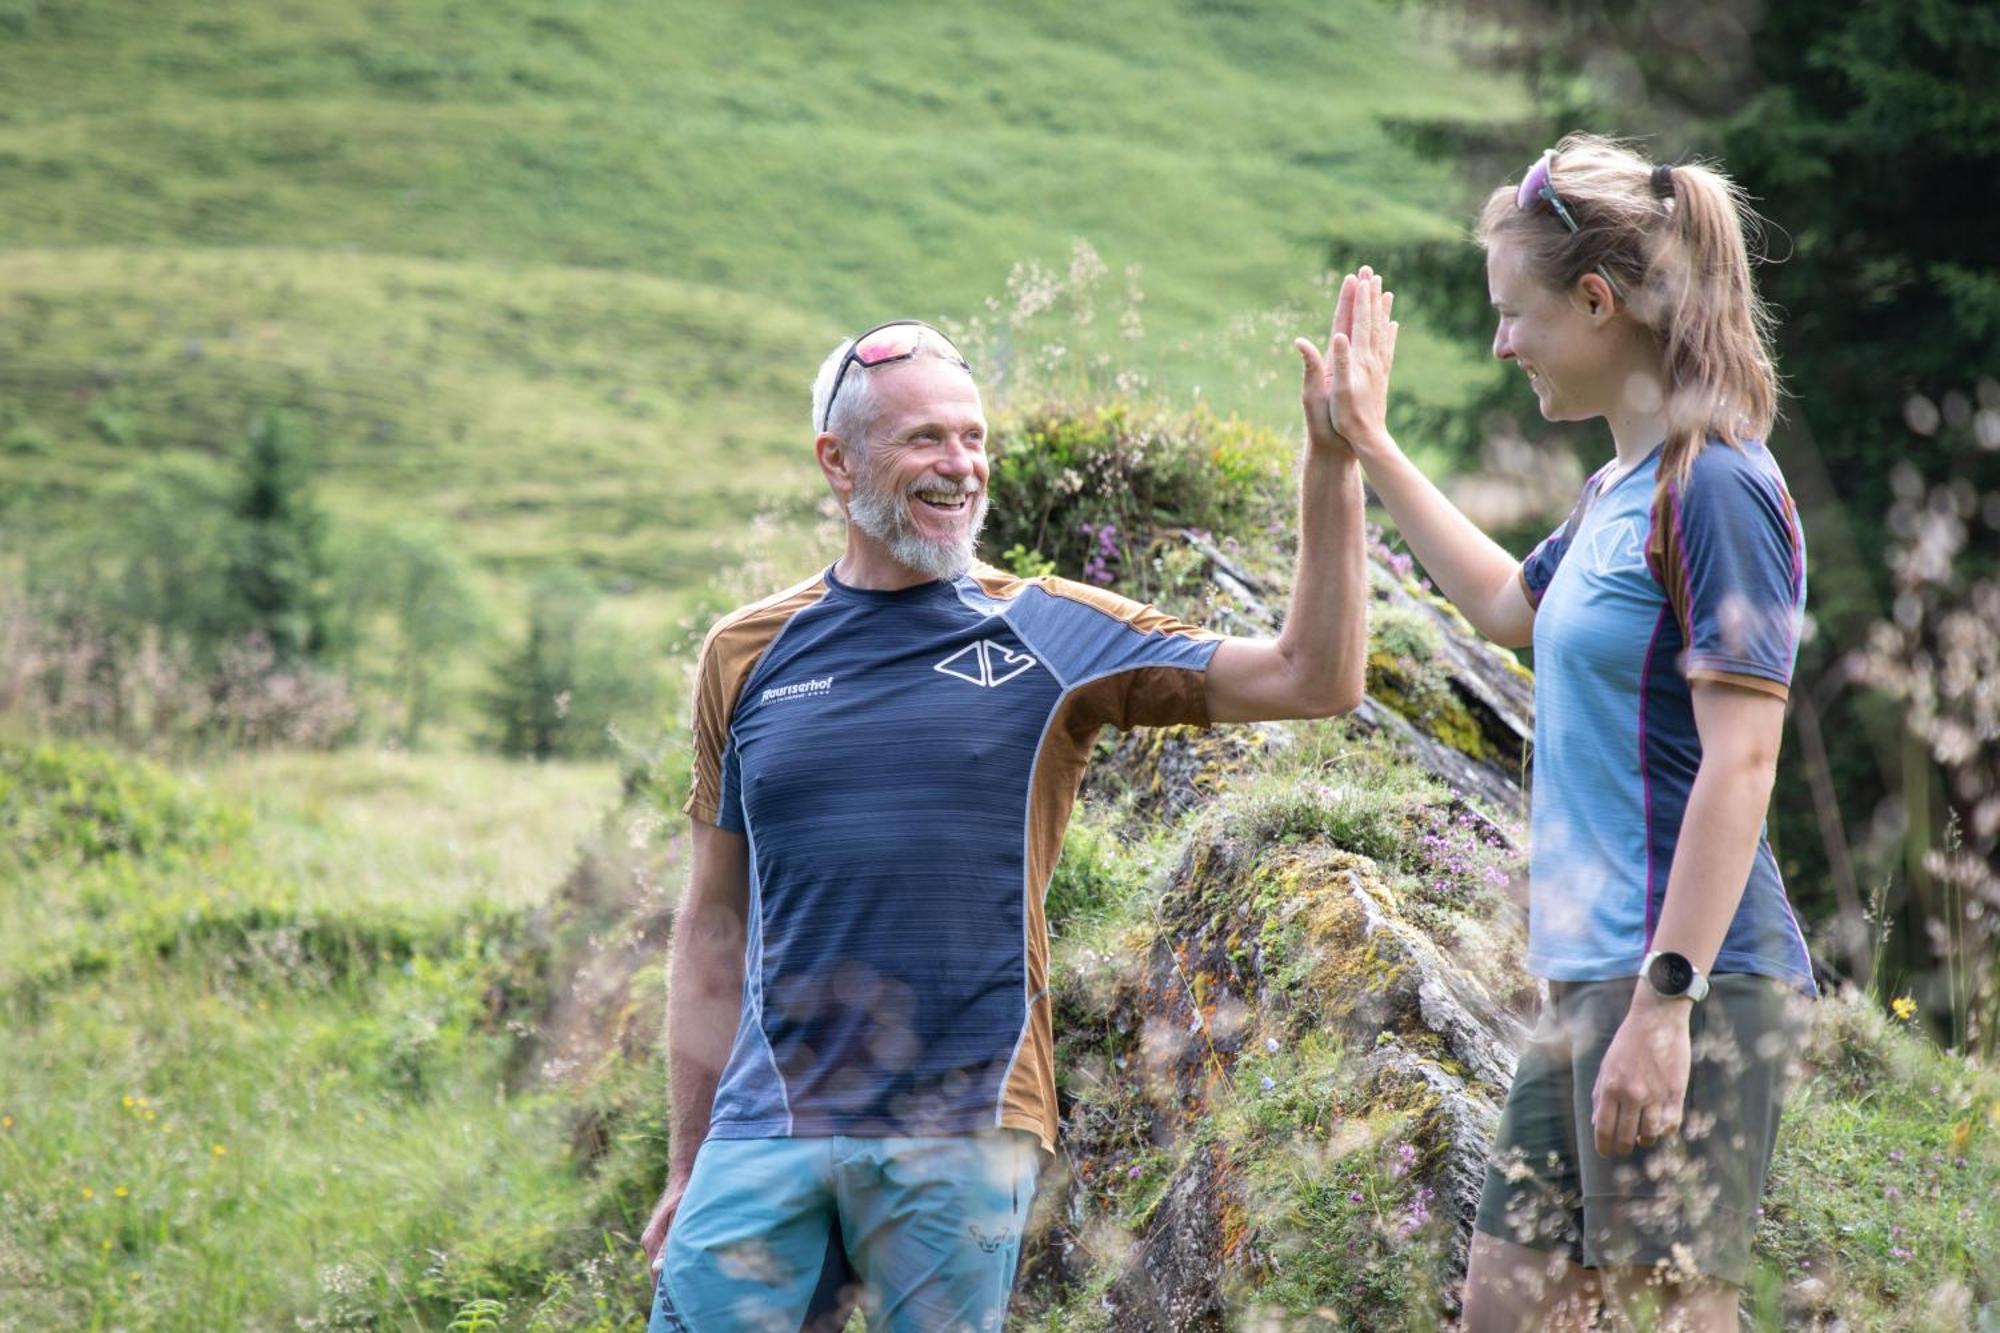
[557,276]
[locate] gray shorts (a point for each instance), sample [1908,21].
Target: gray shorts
[1689,1202]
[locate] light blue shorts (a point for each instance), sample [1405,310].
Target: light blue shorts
[780,1234]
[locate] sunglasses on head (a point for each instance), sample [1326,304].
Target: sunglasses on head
[898,340]
[1539,186]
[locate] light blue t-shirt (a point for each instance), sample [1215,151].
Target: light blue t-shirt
[1633,600]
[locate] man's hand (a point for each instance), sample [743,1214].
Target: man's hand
[653,1240]
[1346,389]
[1641,1090]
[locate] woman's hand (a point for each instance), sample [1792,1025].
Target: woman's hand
[1641,1090]
[1346,389]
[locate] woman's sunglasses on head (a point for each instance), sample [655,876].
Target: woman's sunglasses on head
[1539,187]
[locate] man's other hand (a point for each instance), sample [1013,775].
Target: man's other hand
[653,1240]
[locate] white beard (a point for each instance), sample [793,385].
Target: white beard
[886,518]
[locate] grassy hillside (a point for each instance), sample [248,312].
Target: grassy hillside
[559,274]
[257,1051]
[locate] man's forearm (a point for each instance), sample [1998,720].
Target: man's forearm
[1325,636]
[704,1006]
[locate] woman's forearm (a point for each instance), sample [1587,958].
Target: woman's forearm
[1471,569]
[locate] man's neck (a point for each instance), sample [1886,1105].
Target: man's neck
[868,565]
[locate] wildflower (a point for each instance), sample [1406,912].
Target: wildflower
[219,1150]
[122,1192]
[145,1102]
[89,1193]
[106,1244]
[7,1121]
[1268,1082]
[1354,1196]
[1271,1045]
[1904,1007]
[128,1101]
[1418,1212]
[1134,1171]
[1961,1134]
[1896,1156]
[1899,1254]
[1406,1157]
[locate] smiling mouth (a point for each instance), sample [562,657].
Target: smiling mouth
[944,502]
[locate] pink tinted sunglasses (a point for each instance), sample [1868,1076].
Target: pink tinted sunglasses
[898,340]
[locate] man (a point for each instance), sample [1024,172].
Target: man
[885,759]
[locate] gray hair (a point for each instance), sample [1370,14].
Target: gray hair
[854,411]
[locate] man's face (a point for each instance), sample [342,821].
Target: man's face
[920,486]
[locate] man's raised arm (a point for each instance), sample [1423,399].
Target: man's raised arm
[704,1004]
[1317,665]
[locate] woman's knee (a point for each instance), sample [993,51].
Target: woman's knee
[1511,1288]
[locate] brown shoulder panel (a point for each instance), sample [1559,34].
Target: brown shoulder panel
[728,655]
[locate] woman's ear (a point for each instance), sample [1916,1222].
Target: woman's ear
[1595,297]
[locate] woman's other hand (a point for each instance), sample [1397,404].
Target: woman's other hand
[1346,388]
[1642,1085]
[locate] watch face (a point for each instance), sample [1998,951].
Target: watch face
[1671,974]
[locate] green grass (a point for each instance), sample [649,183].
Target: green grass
[276,1080]
[557,276]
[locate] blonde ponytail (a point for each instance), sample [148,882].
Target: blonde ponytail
[1672,241]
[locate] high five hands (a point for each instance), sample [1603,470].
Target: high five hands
[1346,389]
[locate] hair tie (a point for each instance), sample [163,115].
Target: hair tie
[1663,181]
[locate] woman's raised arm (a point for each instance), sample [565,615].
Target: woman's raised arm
[1482,580]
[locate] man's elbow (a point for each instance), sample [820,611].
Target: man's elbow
[1342,696]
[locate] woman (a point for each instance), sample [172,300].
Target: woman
[1664,616]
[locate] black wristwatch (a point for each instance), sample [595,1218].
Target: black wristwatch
[1672,976]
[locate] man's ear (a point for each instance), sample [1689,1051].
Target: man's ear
[837,462]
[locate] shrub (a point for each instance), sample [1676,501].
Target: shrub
[61,800]
[563,688]
[1099,494]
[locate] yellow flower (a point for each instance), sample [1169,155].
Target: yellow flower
[218,1150]
[107,1243]
[6,1122]
[144,1102]
[152,1115]
[122,1192]
[89,1193]
[128,1101]
[1905,1007]
[1961,1134]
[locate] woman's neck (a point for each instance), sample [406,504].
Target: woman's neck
[1639,422]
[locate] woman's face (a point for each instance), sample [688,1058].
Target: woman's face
[1556,337]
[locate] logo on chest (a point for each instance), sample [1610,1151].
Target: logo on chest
[986,663]
[1615,547]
